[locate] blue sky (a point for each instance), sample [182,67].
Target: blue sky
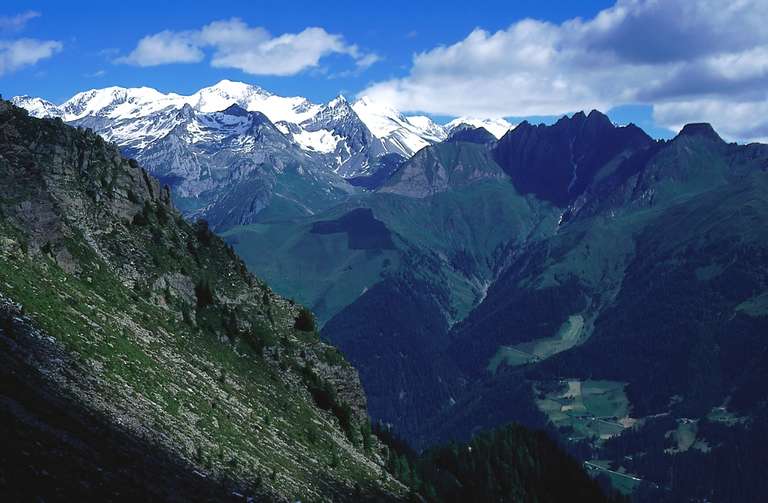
[510,58]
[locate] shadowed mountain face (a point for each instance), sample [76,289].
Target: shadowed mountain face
[557,163]
[471,135]
[363,231]
[559,264]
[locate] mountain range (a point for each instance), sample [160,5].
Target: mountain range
[134,118]
[141,360]
[579,276]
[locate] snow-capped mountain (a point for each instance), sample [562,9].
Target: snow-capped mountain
[398,133]
[497,127]
[229,166]
[355,147]
[229,150]
[349,136]
[37,107]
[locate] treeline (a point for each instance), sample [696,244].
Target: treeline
[728,467]
[509,464]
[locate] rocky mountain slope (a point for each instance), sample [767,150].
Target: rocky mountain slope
[152,336]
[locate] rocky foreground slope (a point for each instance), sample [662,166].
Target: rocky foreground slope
[141,360]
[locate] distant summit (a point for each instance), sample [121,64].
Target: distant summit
[471,135]
[558,162]
[702,129]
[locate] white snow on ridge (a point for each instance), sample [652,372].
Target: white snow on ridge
[137,117]
[254,99]
[37,107]
[116,103]
[497,127]
[428,127]
[317,141]
[388,124]
[124,103]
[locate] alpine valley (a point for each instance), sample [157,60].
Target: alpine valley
[580,278]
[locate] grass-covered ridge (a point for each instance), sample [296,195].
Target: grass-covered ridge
[159,316]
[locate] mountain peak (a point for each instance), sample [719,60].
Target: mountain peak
[559,161]
[338,100]
[702,129]
[237,110]
[471,134]
[597,116]
[580,115]
[235,88]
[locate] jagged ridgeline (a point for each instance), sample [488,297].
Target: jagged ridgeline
[141,360]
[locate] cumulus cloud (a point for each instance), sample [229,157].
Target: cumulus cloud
[251,49]
[690,59]
[163,48]
[18,53]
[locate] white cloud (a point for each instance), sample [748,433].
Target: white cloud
[18,53]
[691,59]
[367,60]
[250,49]
[163,48]
[17,22]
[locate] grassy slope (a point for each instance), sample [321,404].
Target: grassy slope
[461,231]
[218,384]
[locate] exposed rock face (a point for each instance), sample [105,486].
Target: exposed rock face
[161,330]
[471,135]
[442,167]
[557,163]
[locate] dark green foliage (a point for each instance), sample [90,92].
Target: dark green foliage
[367,435]
[185,314]
[332,356]
[305,321]
[162,214]
[203,232]
[6,325]
[508,464]
[260,337]
[204,294]
[325,397]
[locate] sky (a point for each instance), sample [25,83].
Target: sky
[657,63]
